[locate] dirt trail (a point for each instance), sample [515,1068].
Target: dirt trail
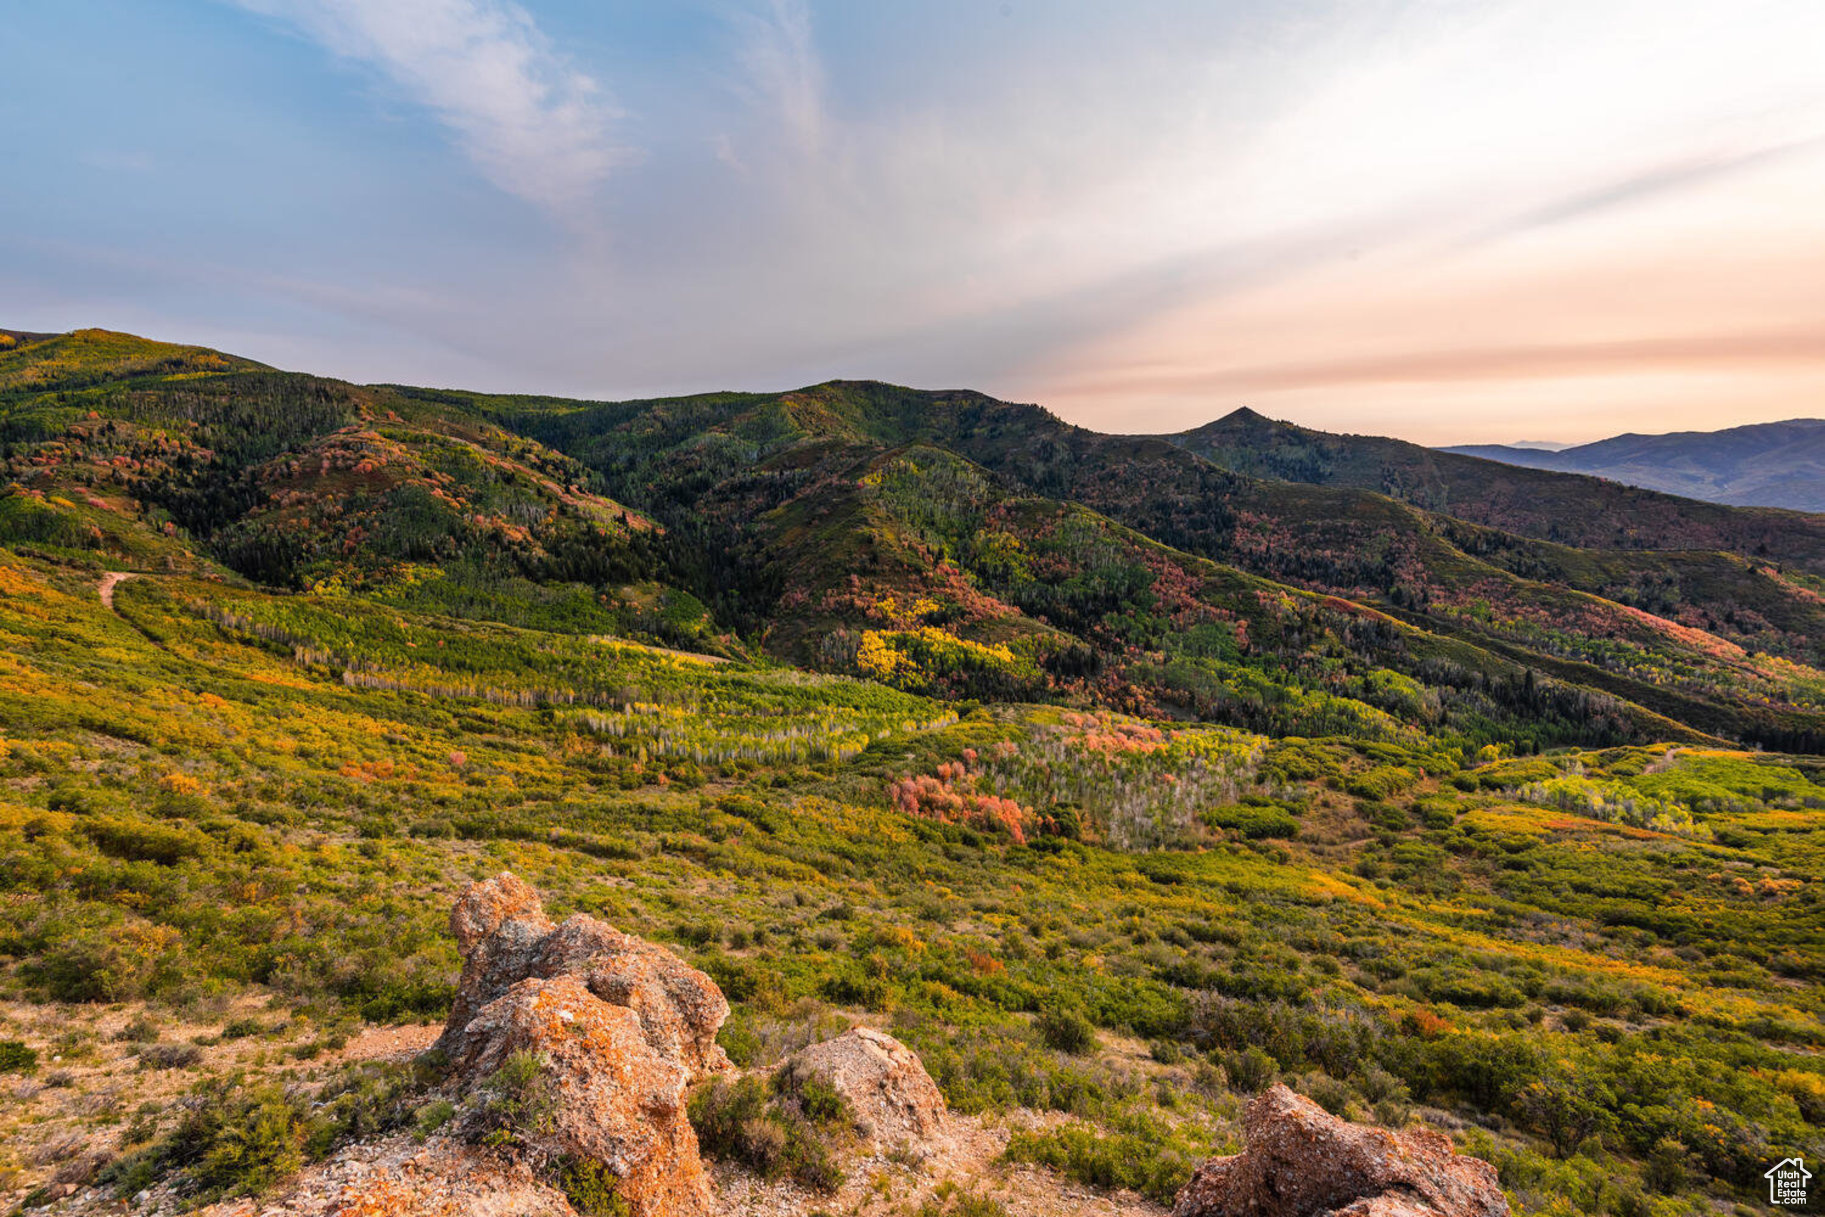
[109,581]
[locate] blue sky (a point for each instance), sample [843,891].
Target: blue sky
[1446,220]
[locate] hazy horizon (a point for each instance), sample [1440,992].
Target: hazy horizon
[1451,222]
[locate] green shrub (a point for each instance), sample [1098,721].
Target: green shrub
[1063,1029]
[241,1028]
[237,1138]
[514,1102]
[740,1122]
[240,1137]
[395,999]
[1436,813]
[17,1057]
[144,1125]
[169,1056]
[431,1117]
[143,1029]
[1250,1069]
[1631,1202]
[815,1097]
[1667,1170]
[1254,823]
[116,962]
[948,1200]
[591,1188]
[146,840]
[1326,1091]
[365,1100]
[739,1039]
[1382,782]
[1565,1109]
[1141,1161]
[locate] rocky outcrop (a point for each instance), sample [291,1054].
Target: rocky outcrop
[679,1008]
[613,1098]
[505,938]
[498,924]
[620,1026]
[893,1100]
[1301,1161]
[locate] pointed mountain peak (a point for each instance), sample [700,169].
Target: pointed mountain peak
[1242,419]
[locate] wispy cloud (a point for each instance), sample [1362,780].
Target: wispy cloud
[535,125]
[784,74]
[1652,183]
[1518,361]
[1518,215]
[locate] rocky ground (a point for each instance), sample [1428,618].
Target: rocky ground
[399,1177]
[442,1178]
[966,1156]
[104,1071]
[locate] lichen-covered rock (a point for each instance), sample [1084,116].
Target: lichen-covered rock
[894,1101]
[620,1027]
[614,1098]
[1301,1161]
[505,938]
[680,1009]
[499,924]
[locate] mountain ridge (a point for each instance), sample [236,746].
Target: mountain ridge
[1778,464]
[940,540]
[1519,497]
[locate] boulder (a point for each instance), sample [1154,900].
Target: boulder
[893,1100]
[499,924]
[620,1026]
[614,1098]
[1301,1161]
[679,1008]
[505,937]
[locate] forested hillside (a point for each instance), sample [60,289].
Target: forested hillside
[1118,780]
[854,501]
[1538,501]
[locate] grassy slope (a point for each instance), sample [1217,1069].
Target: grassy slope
[283,792]
[143,456]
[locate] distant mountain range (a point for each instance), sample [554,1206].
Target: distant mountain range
[1762,465]
[1513,496]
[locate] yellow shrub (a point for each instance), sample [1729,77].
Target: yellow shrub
[180,783]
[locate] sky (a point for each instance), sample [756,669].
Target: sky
[1449,221]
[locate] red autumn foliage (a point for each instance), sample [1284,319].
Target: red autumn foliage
[950,797]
